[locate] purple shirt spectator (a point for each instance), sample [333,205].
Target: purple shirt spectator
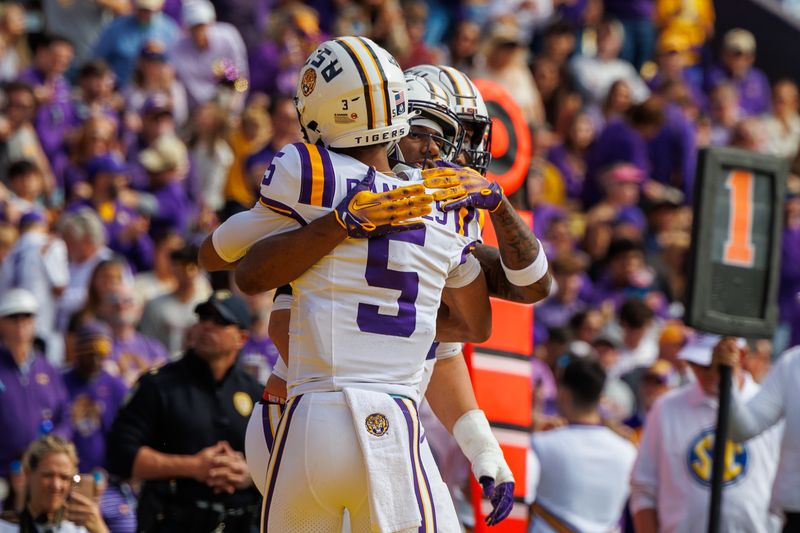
[790,273]
[32,402]
[92,407]
[618,143]
[560,158]
[267,76]
[132,357]
[755,97]
[673,152]
[174,209]
[53,119]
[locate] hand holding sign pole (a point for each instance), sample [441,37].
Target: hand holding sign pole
[734,264]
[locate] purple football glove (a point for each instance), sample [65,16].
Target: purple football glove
[502,498]
[366,214]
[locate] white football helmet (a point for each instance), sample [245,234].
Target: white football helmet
[352,93]
[431,106]
[469,107]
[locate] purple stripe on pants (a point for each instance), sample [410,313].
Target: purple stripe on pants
[278,455]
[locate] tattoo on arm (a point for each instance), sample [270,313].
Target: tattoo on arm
[518,245]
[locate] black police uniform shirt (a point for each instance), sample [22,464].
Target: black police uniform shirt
[180,409]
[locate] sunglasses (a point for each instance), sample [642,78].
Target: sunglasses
[214,317]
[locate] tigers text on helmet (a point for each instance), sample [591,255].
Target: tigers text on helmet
[470,108]
[430,107]
[352,93]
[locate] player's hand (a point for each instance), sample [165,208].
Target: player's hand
[727,352]
[365,214]
[462,187]
[494,475]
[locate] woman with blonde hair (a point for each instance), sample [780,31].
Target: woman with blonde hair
[52,504]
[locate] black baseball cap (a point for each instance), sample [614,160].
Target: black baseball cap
[231,307]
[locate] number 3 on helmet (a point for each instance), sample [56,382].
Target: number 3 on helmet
[352,93]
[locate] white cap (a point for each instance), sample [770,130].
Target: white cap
[427,123]
[700,348]
[198,12]
[17,301]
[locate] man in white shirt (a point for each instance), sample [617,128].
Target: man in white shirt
[779,398]
[38,263]
[670,485]
[580,478]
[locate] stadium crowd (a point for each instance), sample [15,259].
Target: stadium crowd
[130,129]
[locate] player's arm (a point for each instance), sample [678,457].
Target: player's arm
[209,258]
[283,258]
[452,400]
[518,270]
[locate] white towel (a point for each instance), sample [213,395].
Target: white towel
[383,435]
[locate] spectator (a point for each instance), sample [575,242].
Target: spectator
[108,275]
[85,237]
[622,184]
[50,466]
[168,317]
[622,141]
[19,136]
[569,273]
[125,227]
[14,51]
[54,113]
[122,39]
[674,65]
[275,63]
[167,163]
[245,141]
[34,398]
[559,43]
[82,21]
[259,354]
[636,17]
[640,332]
[37,264]
[380,20]
[201,54]
[671,478]
[580,478]
[617,401]
[285,130]
[618,100]
[26,185]
[595,75]
[653,384]
[416,16]
[736,67]
[94,394]
[788,333]
[160,280]
[157,120]
[569,157]
[626,275]
[97,136]
[210,153]
[693,21]
[586,325]
[132,353]
[96,96]
[154,75]
[759,418]
[673,338]
[782,127]
[505,64]
[725,113]
[194,472]
[463,47]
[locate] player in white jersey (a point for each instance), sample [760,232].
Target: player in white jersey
[260,431]
[580,481]
[670,484]
[323,360]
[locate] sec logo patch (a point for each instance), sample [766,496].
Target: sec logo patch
[377,424]
[700,457]
[309,81]
[243,403]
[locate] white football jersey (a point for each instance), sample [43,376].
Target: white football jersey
[365,314]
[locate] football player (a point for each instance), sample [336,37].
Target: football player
[262,427]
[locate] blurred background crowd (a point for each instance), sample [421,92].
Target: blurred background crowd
[131,128]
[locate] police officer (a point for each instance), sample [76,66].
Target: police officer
[182,431]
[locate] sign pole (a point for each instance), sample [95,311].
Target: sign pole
[720,442]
